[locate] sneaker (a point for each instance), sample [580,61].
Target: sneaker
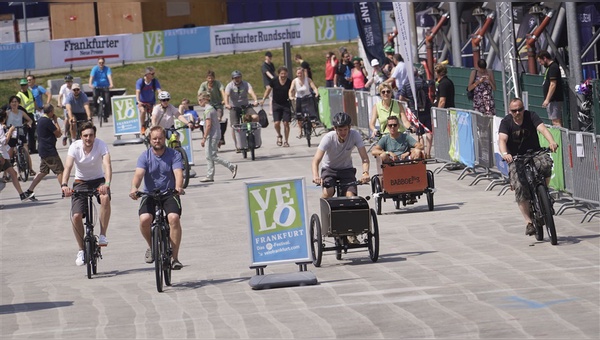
[352,239]
[31,195]
[79,259]
[234,171]
[24,196]
[238,151]
[530,229]
[148,257]
[102,241]
[206,180]
[64,141]
[176,265]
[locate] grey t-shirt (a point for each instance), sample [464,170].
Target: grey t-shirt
[238,95]
[398,145]
[215,127]
[339,155]
[77,104]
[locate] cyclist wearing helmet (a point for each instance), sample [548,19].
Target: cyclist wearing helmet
[64,91]
[236,95]
[165,113]
[334,154]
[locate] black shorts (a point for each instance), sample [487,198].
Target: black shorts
[79,203]
[80,116]
[13,141]
[425,120]
[330,176]
[171,204]
[282,113]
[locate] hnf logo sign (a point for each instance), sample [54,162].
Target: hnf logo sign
[274,207]
[154,44]
[325,28]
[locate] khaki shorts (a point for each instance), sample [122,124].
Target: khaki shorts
[51,163]
[518,182]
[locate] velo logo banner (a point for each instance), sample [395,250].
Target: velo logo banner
[325,28]
[278,221]
[126,117]
[154,44]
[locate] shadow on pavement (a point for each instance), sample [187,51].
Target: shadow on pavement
[202,283]
[32,306]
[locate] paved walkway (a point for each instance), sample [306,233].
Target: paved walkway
[465,270]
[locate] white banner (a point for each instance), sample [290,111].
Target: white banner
[256,35]
[402,14]
[85,51]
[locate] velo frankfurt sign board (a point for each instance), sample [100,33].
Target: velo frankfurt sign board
[278,221]
[126,116]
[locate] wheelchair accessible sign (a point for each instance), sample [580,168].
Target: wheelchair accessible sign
[278,221]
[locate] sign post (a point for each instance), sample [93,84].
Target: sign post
[279,231]
[126,119]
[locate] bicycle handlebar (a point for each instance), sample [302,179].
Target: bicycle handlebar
[157,194]
[530,154]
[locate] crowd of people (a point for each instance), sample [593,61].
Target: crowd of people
[160,167]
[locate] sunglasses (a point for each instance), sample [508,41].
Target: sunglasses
[386,92]
[165,100]
[518,110]
[392,125]
[76,90]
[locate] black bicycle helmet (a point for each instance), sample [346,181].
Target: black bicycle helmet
[68,77]
[341,119]
[236,74]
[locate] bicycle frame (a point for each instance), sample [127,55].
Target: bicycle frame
[92,251]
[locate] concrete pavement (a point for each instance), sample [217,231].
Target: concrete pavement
[464,270]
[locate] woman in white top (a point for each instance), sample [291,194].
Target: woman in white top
[14,117]
[301,91]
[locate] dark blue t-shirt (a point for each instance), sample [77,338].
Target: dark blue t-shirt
[46,137]
[159,170]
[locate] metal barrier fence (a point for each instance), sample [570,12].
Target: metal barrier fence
[465,138]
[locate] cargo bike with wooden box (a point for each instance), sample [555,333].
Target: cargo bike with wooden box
[344,217]
[403,182]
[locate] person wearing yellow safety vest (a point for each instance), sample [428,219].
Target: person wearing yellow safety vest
[28,102]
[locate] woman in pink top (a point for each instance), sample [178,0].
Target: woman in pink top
[359,74]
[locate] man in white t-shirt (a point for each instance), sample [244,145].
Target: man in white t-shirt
[63,93]
[334,155]
[399,75]
[93,170]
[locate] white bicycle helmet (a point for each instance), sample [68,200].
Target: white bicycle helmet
[164,95]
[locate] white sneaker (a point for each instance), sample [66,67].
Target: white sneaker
[102,241]
[79,259]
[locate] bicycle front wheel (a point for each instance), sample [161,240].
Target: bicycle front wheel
[307,130]
[100,114]
[158,257]
[23,164]
[546,210]
[88,256]
[186,167]
[167,257]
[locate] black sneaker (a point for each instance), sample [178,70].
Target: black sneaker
[530,229]
[31,195]
[24,197]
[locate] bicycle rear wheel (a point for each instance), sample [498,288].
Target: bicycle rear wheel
[186,167]
[158,257]
[167,257]
[546,210]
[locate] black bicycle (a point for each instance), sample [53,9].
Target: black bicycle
[20,156]
[91,248]
[161,241]
[541,210]
[308,122]
[102,97]
[174,142]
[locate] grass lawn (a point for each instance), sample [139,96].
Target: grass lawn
[183,77]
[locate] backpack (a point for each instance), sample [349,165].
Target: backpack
[263,119]
[423,102]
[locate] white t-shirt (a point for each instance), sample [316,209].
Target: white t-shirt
[338,155]
[165,117]
[400,74]
[302,89]
[4,145]
[64,90]
[88,167]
